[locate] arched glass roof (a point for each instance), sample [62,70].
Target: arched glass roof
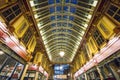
[62,24]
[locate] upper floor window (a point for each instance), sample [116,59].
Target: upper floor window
[10,13]
[98,37]
[114,12]
[27,36]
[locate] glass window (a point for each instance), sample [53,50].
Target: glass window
[17,72]
[70,25]
[51,1]
[98,37]
[58,8]
[11,13]
[71,18]
[7,12]
[3,58]
[58,1]
[117,17]
[65,8]
[114,12]
[111,13]
[67,1]
[52,17]
[65,17]
[118,11]
[30,75]
[27,36]
[8,68]
[74,1]
[52,9]
[72,9]
[59,17]
[53,25]
[58,24]
[113,8]
[10,17]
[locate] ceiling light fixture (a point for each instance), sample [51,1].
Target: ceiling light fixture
[36,16]
[95,3]
[32,3]
[62,53]
[1,52]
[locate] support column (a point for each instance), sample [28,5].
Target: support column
[85,76]
[36,75]
[102,72]
[99,71]
[24,72]
[112,72]
[115,74]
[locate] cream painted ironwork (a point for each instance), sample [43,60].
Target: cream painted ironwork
[62,25]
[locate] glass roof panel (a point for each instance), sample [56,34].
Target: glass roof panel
[52,18]
[72,9]
[52,9]
[74,1]
[59,17]
[53,25]
[65,8]
[67,1]
[62,21]
[58,24]
[51,1]
[65,17]
[58,1]
[58,8]
[71,18]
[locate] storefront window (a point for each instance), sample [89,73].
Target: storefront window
[9,67]
[3,58]
[17,72]
[30,75]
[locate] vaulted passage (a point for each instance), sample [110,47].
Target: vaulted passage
[62,24]
[60,39]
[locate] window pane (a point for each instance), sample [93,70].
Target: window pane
[51,1]
[67,1]
[7,12]
[8,68]
[3,57]
[58,8]
[117,17]
[98,38]
[9,18]
[52,9]
[113,8]
[118,12]
[111,13]
[18,12]
[15,7]
[58,1]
